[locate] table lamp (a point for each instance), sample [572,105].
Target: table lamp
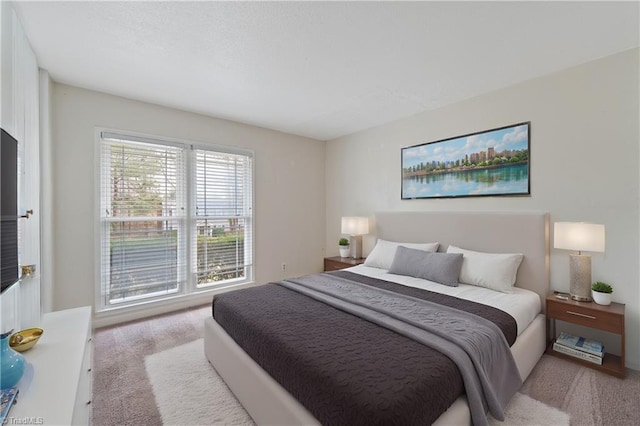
[579,236]
[355,227]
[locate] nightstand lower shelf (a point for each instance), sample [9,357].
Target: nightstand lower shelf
[611,364]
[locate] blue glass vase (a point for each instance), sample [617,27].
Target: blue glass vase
[12,364]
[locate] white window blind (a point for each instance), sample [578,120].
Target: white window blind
[222,216]
[147,190]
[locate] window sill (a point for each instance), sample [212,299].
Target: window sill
[120,314]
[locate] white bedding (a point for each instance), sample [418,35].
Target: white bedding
[523,305]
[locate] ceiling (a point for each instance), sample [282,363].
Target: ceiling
[317,69]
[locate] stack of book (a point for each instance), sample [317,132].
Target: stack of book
[7,399]
[579,347]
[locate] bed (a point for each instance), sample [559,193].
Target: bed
[269,403]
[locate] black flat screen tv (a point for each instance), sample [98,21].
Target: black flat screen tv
[8,210]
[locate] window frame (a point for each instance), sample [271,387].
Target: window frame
[190,289]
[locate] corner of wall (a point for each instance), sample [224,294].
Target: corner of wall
[47,233]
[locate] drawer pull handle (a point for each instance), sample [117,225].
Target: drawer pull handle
[581,315]
[88,402]
[89,370]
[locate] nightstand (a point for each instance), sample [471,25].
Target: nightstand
[607,318]
[336,263]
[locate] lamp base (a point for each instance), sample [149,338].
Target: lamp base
[580,298]
[580,277]
[356,246]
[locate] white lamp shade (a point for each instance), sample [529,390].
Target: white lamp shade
[578,236]
[355,225]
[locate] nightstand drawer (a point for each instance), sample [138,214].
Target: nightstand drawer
[586,316]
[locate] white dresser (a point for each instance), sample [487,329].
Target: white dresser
[56,386]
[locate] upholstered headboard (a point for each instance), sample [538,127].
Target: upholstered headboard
[495,232]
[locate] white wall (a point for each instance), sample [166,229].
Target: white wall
[26,125]
[584,166]
[19,116]
[289,185]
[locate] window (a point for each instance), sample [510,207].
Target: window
[174,219]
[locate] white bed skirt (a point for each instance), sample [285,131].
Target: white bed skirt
[268,403]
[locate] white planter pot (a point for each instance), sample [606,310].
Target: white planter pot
[344,251]
[601,298]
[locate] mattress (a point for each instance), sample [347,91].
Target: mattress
[523,305]
[398,363]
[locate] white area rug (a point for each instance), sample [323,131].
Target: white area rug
[188,391]
[525,411]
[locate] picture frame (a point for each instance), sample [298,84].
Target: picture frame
[494,162]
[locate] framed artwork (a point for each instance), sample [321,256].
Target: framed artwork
[488,163]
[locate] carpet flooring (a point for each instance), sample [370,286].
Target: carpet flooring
[123,393]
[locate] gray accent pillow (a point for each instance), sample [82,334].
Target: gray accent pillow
[443,268]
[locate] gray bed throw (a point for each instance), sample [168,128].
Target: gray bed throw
[477,346]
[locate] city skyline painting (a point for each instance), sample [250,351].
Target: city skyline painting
[491,162]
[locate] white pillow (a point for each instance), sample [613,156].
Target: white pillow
[496,271]
[383,253]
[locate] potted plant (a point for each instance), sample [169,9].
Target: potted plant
[601,293]
[343,244]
